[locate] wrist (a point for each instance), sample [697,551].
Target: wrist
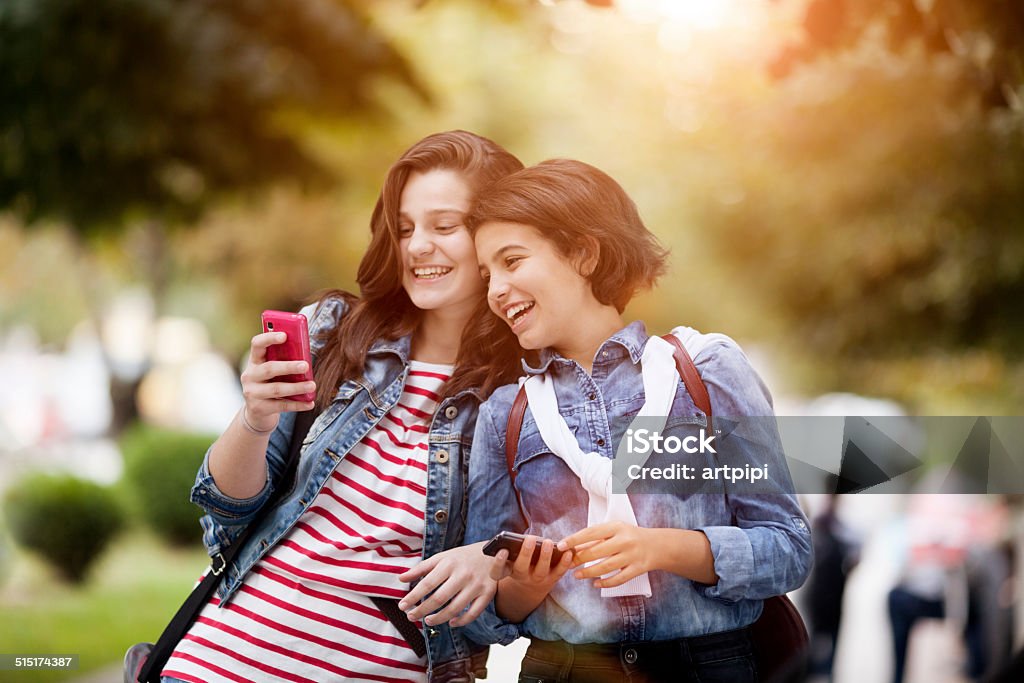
[250,426]
[525,589]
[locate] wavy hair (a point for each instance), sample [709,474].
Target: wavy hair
[587,216]
[488,351]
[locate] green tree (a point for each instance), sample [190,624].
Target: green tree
[122,112]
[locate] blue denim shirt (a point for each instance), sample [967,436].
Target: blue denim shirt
[761,543]
[358,406]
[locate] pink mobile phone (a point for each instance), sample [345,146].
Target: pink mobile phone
[296,347]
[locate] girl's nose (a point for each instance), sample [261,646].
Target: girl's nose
[497,289]
[420,243]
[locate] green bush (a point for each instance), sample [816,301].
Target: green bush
[69,521]
[160,468]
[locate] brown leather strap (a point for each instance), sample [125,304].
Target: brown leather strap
[691,378]
[684,366]
[512,429]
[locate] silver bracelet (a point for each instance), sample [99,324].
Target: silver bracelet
[245,423]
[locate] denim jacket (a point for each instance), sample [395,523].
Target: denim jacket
[761,543]
[358,406]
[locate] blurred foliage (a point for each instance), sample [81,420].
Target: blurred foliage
[857,218]
[69,521]
[160,469]
[135,588]
[303,244]
[40,280]
[985,36]
[141,113]
[910,238]
[110,108]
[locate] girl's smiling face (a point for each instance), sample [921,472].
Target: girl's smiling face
[533,287]
[440,270]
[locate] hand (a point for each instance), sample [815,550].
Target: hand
[540,575]
[614,546]
[460,577]
[264,400]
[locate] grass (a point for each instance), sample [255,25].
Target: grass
[130,595]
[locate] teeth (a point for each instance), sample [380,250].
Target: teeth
[431,272]
[517,309]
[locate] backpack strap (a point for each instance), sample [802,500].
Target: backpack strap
[684,366]
[691,378]
[201,594]
[512,429]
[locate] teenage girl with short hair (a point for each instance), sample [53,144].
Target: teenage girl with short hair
[659,586]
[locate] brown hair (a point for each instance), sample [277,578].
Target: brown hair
[588,217]
[488,351]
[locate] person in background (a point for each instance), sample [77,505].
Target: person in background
[835,555]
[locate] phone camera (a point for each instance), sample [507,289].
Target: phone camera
[270,325]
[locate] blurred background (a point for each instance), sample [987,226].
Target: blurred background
[841,185]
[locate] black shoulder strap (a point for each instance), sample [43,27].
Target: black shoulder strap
[201,594]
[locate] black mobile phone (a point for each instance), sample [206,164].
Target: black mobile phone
[513,543]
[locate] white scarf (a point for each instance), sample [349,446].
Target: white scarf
[595,472]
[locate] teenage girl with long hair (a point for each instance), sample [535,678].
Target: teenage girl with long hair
[399,375]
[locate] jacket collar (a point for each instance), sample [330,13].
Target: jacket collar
[630,340]
[401,348]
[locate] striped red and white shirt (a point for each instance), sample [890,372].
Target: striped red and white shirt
[304,611]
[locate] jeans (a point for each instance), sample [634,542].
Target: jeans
[725,657]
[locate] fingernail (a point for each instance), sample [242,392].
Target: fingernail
[402,604]
[563,546]
[578,575]
[302,366]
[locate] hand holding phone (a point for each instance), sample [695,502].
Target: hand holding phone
[294,348]
[513,542]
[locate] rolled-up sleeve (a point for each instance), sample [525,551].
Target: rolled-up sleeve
[492,507]
[767,550]
[227,516]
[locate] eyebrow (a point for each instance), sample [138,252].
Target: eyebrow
[434,212]
[507,247]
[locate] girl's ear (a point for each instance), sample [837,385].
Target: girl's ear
[589,256]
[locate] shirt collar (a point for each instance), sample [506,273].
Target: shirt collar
[630,339]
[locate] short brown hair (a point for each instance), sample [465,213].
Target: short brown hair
[579,208]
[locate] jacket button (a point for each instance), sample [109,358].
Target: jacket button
[440,516]
[592,395]
[432,632]
[450,412]
[630,656]
[600,442]
[442,456]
